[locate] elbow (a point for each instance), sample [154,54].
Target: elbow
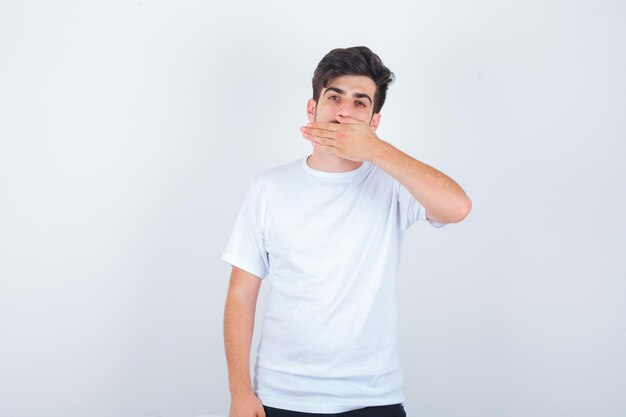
[453,214]
[461,211]
[464,209]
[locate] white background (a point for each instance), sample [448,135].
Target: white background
[129,132]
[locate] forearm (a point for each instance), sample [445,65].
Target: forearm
[238,329]
[444,200]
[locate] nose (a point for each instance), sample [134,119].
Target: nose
[344,110]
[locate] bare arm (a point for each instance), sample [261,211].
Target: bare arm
[239,315]
[444,200]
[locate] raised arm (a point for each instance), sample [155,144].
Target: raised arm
[444,200]
[239,314]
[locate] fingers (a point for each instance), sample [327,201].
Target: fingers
[310,133]
[326,148]
[315,139]
[318,141]
[349,119]
[331,127]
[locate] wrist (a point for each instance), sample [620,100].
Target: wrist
[241,391]
[381,149]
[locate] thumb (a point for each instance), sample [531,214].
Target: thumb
[260,409]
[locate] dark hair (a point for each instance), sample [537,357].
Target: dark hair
[357,60]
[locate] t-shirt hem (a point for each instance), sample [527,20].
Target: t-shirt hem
[326,408]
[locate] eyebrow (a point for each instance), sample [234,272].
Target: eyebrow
[343,93]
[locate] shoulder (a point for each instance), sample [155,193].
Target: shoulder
[382,179]
[278,175]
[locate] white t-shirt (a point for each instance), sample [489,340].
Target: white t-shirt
[329,246]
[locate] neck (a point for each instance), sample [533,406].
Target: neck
[331,163]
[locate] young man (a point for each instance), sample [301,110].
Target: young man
[325,231]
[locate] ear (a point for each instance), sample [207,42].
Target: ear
[310,110]
[375,121]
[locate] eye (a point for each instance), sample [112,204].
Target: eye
[334,98]
[360,103]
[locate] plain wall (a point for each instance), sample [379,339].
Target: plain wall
[129,132]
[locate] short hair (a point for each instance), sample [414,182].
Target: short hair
[356,60]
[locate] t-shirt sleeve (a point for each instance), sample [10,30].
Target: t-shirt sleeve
[246,246]
[410,209]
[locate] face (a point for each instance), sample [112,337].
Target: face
[346,95]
